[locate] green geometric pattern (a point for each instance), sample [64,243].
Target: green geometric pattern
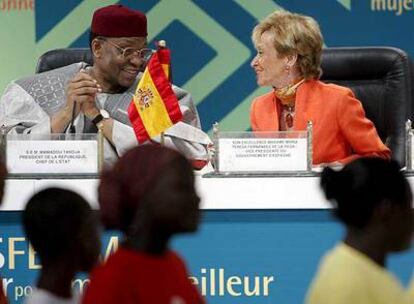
[238,119]
[346,4]
[227,60]
[71,27]
[21,51]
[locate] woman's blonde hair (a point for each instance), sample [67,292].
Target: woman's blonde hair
[294,34]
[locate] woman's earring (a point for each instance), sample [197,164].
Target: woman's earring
[288,70]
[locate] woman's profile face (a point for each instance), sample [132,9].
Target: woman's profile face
[269,66]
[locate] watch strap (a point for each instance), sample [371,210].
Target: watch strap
[98,118]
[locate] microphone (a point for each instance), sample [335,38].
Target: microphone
[72,127]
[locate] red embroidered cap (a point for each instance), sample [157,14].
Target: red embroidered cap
[119,21]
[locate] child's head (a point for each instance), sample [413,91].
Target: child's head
[153,182]
[62,228]
[372,192]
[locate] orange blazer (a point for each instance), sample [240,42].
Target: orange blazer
[341,132]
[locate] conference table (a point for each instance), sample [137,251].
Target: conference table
[260,239]
[217,191]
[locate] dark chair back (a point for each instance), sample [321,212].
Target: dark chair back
[61,57]
[380,78]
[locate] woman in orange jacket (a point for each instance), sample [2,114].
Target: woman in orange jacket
[289,48]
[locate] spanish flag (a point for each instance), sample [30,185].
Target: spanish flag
[154,107]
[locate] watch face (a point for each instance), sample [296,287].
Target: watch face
[104,113]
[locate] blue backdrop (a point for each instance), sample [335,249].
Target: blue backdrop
[190,29]
[280,247]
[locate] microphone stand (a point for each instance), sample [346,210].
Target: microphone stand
[72,127]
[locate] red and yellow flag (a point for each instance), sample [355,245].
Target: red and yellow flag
[154,107]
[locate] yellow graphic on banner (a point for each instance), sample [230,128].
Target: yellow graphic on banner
[151,107]
[16,5]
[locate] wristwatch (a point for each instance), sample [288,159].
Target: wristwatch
[103,114]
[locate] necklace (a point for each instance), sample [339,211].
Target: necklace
[288,114]
[287,94]
[287,97]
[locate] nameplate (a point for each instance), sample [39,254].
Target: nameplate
[262,154]
[52,156]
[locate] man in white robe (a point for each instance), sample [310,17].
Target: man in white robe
[79,98]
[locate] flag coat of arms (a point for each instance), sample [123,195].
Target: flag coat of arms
[154,107]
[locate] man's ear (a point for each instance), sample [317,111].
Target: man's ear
[96,47]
